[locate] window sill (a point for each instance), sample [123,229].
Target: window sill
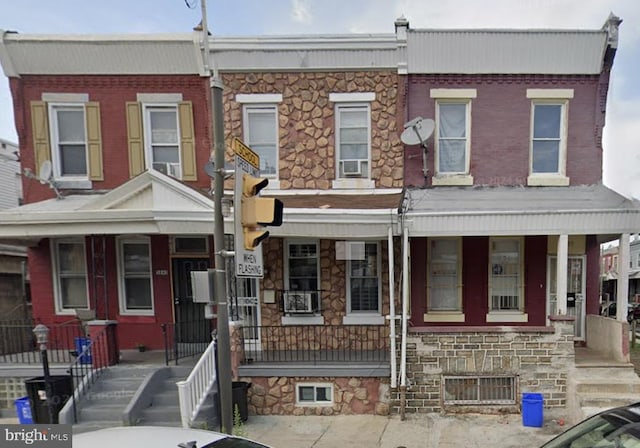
[547,180]
[435,316]
[357,184]
[452,179]
[73,184]
[303,320]
[507,316]
[274,184]
[367,319]
[137,313]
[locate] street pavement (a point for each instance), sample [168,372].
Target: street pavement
[416,431]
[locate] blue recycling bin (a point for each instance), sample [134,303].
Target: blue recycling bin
[532,414]
[84,353]
[23,411]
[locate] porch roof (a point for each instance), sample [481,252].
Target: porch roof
[153,203]
[585,209]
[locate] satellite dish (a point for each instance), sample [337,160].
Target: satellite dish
[44,174]
[417,131]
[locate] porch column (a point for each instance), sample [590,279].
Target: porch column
[561,274]
[623,278]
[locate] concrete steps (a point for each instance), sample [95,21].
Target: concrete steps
[592,389]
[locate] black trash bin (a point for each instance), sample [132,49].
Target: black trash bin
[61,390]
[239,397]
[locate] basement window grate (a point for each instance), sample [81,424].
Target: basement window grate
[460,390]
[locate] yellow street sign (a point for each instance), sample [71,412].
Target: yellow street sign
[242,150]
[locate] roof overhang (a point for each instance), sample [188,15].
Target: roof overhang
[153,203]
[588,210]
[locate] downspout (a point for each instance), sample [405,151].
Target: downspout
[392,310]
[405,311]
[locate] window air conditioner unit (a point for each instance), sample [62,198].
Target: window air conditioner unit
[170,169]
[297,302]
[352,167]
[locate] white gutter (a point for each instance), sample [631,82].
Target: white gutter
[392,310]
[405,310]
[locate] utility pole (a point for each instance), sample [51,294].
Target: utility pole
[219,293]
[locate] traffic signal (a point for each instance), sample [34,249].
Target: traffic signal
[257,212]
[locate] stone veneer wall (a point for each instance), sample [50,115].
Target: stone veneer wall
[539,358]
[277,396]
[307,125]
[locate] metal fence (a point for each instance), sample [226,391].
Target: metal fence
[186,339]
[18,343]
[316,343]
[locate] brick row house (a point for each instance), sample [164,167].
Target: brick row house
[405,278]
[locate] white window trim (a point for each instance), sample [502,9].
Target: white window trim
[364,317]
[146,126]
[66,181]
[453,178]
[274,182]
[508,315]
[259,98]
[314,402]
[453,93]
[445,315]
[356,182]
[560,178]
[353,97]
[121,289]
[59,309]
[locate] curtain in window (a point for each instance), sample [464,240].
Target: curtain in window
[364,294]
[443,275]
[452,142]
[262,137]
[505,274]
[137,275]
[70,129]
[72,275]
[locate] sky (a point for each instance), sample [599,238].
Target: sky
[258,17]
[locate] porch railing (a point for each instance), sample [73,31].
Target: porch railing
[193,392]
[97,354]
[185,339]
[316,343]
[18,343]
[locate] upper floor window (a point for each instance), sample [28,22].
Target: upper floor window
[70,275]
[506,276]
[444,295]
[67,133]
[548,146]
[453,136]
[261,130]
[161,135]
[163,139]
[69,142]
[134,276]
[261,134]
[353,139]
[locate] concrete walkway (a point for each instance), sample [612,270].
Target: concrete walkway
[424,431]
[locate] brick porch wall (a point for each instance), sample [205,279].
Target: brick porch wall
[539,358]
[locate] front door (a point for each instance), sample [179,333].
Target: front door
[576,291]
[191,325]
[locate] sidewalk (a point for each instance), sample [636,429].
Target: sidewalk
[417,431]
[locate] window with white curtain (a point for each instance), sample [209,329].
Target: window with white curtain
[163,139]
[444,275]
[70,275]
[261,134]
[452,146]
[353,137]
[364,281]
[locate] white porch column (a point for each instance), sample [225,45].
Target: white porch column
[622,293]
[561,274]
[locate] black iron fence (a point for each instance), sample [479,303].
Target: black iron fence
[316,343]
[93,356]
[186,339]
[18,343]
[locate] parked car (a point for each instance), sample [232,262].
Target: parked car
[633,311]
[614,428]
[159,436]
